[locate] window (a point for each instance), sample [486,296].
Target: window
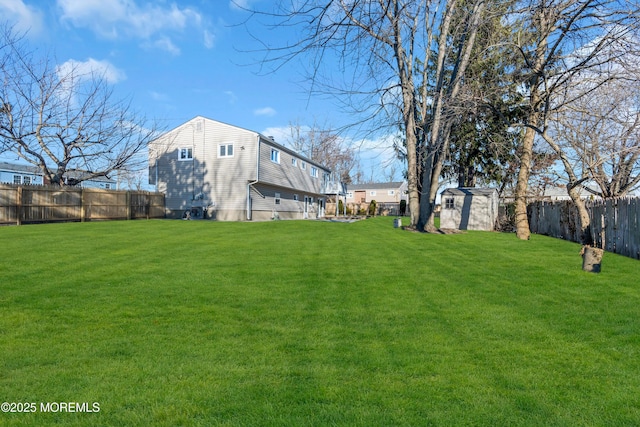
[277,198]
[294,161]
[26,180]
[314,171]
[295,197]
[225,150]
[392,192]
[448,203]
[372,192]
[275,155]
[349,194]
[17,179]
[303,165]
[186,154]
[107,186]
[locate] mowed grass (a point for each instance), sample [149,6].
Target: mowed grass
[170,323]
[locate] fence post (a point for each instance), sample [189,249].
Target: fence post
[128,197]
[19,206]
[147,199]
[82,213]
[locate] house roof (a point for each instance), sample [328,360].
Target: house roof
[469,191]
[13,167]
[375,186]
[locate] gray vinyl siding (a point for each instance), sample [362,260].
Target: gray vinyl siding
[264,203]
[222,181]
[227,177]
[177,179]
[286,175]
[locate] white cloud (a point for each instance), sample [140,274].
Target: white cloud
[91,68]
[25,18]
[117,19]
[209,39]
[163,43]
[281,135]
[266,111]
[239,4]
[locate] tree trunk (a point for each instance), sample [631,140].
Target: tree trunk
[522,222]
[591,259]
[583,214]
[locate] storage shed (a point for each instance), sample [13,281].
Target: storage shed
[469,208]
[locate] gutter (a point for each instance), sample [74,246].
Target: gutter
[250,184]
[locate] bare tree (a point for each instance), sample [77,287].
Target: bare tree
[63,120]
[564,40]
[325,147]
[597,139]
[384,52]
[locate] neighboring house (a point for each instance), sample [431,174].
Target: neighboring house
[381,192]
[386,194]
[215,170]
[469,208]
[31,175]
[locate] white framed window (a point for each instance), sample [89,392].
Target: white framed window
[372,192]
[17,179]
[448,203]
[295,197]
[349,194]
[275,156]
[107,186]
[294,161]
[391,192]
[303,165]
[185,154]
[225,150]
[26,180]
[314,171]
[277,198]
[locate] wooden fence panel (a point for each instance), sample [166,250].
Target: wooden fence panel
[32,204]
[8,205]
[615,223]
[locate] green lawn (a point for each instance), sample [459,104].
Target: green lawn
[170,323]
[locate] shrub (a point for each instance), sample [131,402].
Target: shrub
[403,207]
[372,208]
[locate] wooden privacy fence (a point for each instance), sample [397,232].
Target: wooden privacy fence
[26,204]
[615,224]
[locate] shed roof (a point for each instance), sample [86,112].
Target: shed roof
[470,191]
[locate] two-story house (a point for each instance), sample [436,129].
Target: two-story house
[386,194]
[211,169]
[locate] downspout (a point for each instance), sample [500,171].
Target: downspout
[253,182]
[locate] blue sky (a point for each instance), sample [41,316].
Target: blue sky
[176,60]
